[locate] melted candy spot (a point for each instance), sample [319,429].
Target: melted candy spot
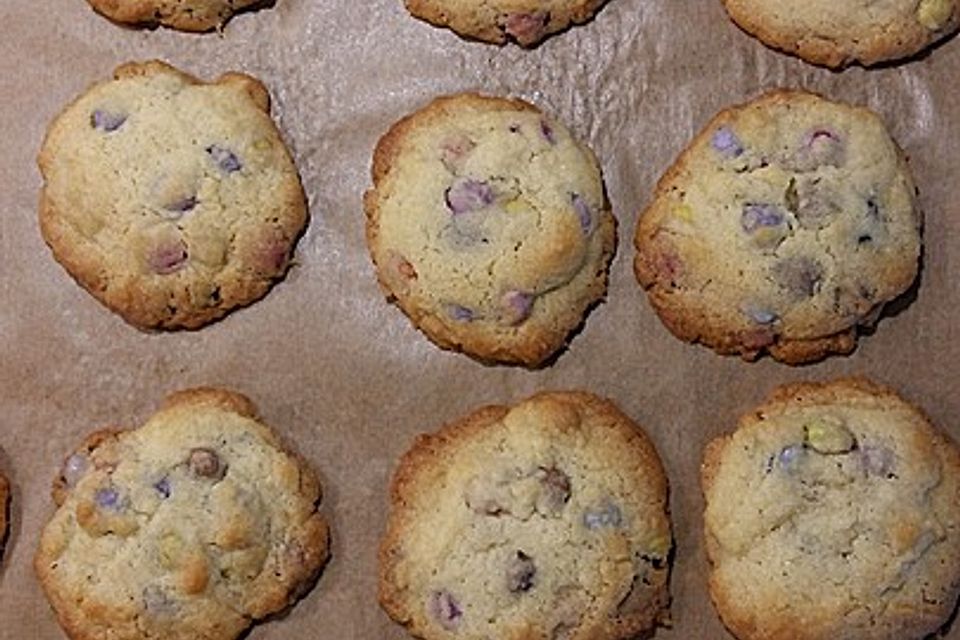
[607,516]
[582,210]
[556,489]
[934,14]
[224,158]
[547,132]
[445,609]
[74,468]
[516,307]
[106,120]
[828,436]
[107,498]
[877,460]
[163,487]
[521,573]
[157,601]
[168,258]
[466,195]
[726,142]
[526,28]
[460,313]
[800,276]
[761,316]
[206,463]
[755,216]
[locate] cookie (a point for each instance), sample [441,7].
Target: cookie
[194,525]
[525,22]
[545,520]
[836,34]
[788,223]
[185,15]
[489,227]
[833,511]
[4,510]
[171,200]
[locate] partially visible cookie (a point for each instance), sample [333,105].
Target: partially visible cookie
[185,15]
[194,525]
[525,22]
[4,511]
[833,511]
[836,34]
[171,200]
[787,223]
[489,226]
[540,521]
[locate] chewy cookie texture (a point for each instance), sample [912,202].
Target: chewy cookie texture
[525,22]
[489,227]
[835,34]
[546,520]
[185,15]
[833,511]
[171,200]
[195,525]
[786,225]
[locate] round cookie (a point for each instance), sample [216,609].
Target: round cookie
[194,525]
[833,511]
[185,15]
[788,223]
[525,22]
[545,520]
[836,34]
[169,199]
[489,227]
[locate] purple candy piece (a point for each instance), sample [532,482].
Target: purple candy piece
[106,120]
[762,316]
[445,608]
[877,460]
[183,205]
[168,258]
[726,142]
[607,516]
[225,159]
[517,306]
[163,487]
[467,194]
[789,455]
[74,468]
[460,313]
[755,216]
[520,573]
[107,498]
[157,600]
[582,209]
[547,131]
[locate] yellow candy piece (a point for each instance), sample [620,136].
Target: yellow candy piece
[828,435]
[683,212]
[934,14]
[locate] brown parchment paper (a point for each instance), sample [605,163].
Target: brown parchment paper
[341,374]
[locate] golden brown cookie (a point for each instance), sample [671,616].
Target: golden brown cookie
[489,227]
[194,525]
[525,22]
[786,226]
[185,15]
[539,521]
[171,200]
[833,511]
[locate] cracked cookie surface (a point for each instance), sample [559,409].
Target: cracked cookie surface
[171,200]
[489,227]
[835,34]
[833,511]
[185,15]
[194,525]
[786,225]
[525,22]
[546,520]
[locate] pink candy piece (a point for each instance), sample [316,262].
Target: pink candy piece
[526,28]
[168,257]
